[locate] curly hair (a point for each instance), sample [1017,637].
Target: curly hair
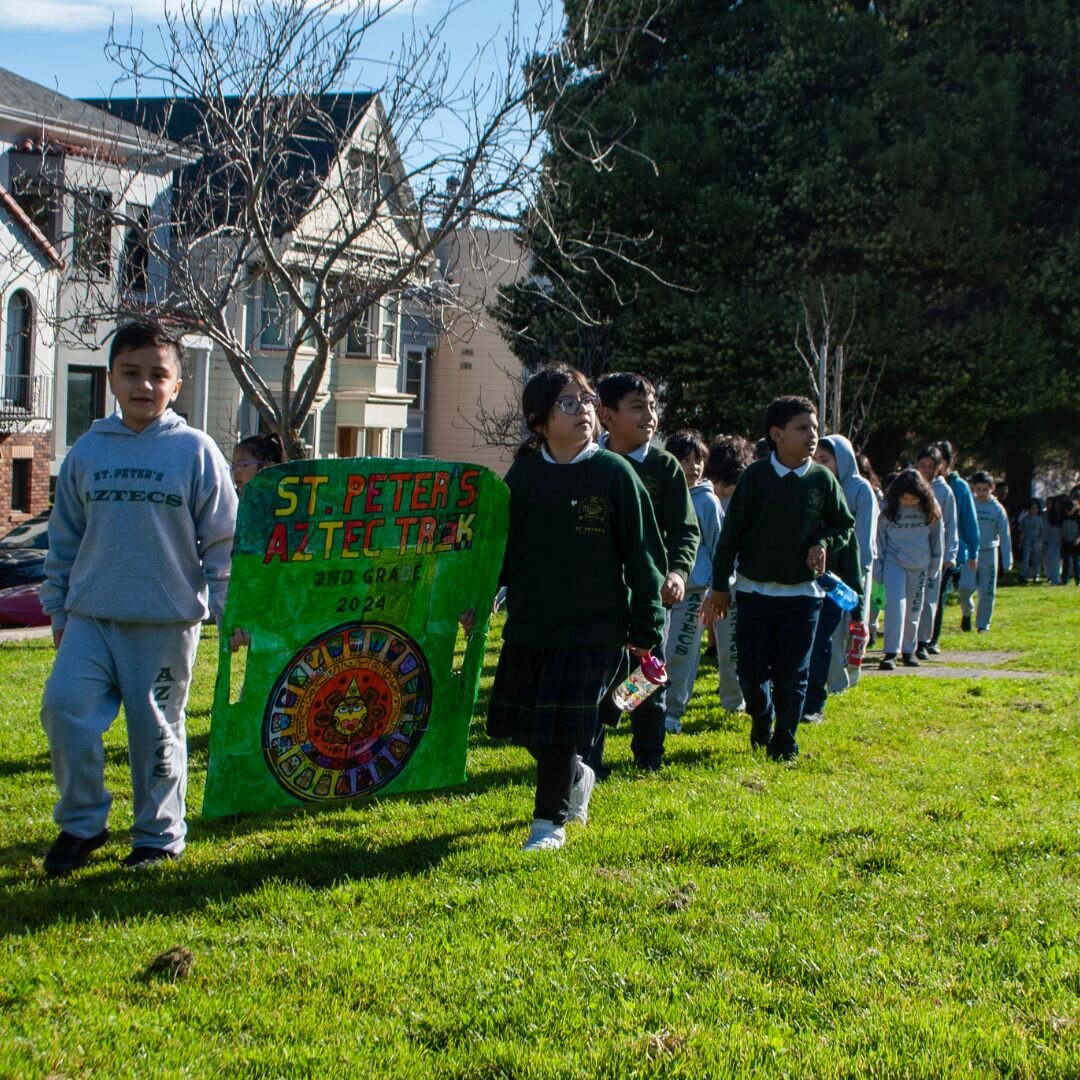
[910,482]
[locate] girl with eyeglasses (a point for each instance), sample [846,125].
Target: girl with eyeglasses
[253,454]
[583,569]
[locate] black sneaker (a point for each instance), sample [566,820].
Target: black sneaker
[887,662]
[70,852]
[910,661]
[965,623]
[934,649]
[922,652]
[141,857]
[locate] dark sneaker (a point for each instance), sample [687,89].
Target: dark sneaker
[887,662]
[965,623]
[70,852]
[922,652]
[934,649]
[910,661]
[141,857]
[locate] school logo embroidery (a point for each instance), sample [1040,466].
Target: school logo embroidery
[347,712]
[591,515]
[815,502]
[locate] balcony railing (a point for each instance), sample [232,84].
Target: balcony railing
[24,398]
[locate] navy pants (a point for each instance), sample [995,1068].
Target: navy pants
[817,684]
[774,637]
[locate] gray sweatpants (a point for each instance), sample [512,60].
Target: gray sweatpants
[930,605]
[982,580]
[904,594]
[147,668]
[682,651]
[727,656]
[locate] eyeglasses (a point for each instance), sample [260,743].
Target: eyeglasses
[573,405]
[245,464]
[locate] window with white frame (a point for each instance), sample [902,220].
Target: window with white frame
[358,341]
[414,376]
[267,314]
[388,327]
[18,350]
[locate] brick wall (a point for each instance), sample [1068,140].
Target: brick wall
[37,449]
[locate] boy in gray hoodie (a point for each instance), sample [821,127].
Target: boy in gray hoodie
[140,540]
[993,534]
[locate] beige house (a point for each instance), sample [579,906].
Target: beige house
[473,380]
[362,403]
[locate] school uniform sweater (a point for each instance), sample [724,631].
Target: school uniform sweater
[142,526]
[665,482]
[584,560]
[772,522]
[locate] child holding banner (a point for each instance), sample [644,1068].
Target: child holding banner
[583,570]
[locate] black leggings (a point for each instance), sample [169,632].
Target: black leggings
[557,767]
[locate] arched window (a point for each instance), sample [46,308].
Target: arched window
[18,354]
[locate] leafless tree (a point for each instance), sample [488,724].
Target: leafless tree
[322,202]
[845,388]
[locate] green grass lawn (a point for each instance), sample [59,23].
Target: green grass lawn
[903,901]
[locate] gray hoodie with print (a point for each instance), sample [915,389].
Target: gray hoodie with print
[142,526]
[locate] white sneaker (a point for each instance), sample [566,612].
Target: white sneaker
[672,726]
[580,794]
[812,718]
[544,836]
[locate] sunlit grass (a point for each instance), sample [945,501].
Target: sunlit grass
[901,902]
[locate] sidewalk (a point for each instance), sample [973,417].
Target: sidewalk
[24,633]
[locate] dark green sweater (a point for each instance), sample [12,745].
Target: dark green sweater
[665,482]
[584,560]
[772,522]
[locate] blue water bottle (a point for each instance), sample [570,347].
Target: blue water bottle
[842,595]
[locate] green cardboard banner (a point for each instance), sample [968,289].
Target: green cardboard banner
[350,575]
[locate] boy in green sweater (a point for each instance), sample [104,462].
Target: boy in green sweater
[785,515]
[628,413]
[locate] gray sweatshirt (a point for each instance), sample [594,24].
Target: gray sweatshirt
[142,527]
[909,542]
[994,529]
[947,501]
[860,497]
[709,518]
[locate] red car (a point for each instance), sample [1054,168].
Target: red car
[21,606]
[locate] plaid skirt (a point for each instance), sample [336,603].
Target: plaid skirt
[550,696]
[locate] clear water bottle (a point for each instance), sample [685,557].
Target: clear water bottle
[648,678]
[843,596]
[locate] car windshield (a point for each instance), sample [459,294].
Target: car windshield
[31,534]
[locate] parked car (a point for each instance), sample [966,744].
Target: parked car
[23,551]
[21,606]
